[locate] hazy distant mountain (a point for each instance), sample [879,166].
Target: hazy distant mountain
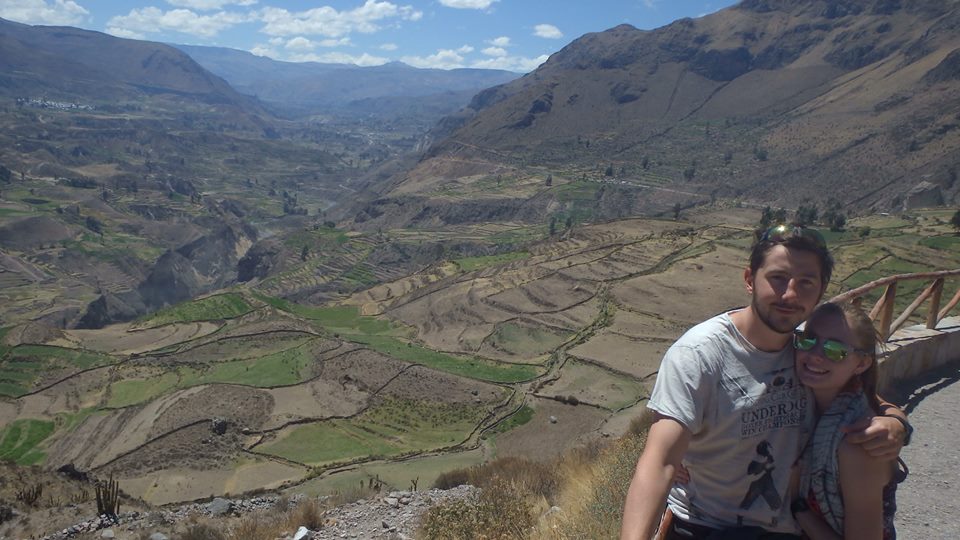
[848,101]
[314,85]
[58,62]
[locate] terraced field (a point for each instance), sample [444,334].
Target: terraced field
[551,343]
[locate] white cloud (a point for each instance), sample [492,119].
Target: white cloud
[151,20]
[495,51]
[303,44]
[335,57]
[339,58]
[652,4]
[443,59]
[327,21]
[124,33]
[468,4]
[58,12]
[300,43]
[388,47]
[502,41]
[547,31]
[466,49]
[511,63]
[207,5]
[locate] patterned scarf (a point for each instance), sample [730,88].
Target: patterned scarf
[821,470]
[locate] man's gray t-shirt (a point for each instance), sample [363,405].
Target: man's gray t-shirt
[749,417]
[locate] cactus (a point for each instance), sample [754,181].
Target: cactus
[31,495]
[108,498]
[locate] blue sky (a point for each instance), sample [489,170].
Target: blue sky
[516,35]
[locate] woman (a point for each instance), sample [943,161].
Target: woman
[844,493]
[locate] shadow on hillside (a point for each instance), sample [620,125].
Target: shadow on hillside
[909,393]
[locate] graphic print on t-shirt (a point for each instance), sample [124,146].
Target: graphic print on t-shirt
[762,467]
[782,406]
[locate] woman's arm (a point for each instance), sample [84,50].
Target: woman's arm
[815,527]
[862,479]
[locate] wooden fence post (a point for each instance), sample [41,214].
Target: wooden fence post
[886,314]
[934,310]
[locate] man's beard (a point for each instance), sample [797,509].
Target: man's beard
[767,318]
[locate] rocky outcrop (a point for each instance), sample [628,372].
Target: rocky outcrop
[264,258]
[201,265]
[111,308]
[923,195]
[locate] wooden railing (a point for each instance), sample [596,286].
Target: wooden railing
[885,305]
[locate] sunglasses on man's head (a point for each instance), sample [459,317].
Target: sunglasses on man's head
[782,232]
[833,350]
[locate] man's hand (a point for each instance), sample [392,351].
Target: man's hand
[881,436]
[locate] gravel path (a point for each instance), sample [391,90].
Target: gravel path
[928,501]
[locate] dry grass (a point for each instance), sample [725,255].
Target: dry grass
[502,511]
[594,489]
[278,522]
[593,495]
[589,484]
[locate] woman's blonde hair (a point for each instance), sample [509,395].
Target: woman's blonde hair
[865,337]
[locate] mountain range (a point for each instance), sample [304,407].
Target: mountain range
[317,87]
[842,102]
[65,63]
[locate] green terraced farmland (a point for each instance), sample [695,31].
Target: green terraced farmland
[391,428]
[22,366]
[221,306]
[346,319]
[466,366]
[134,391]
[519,418]
[19,441]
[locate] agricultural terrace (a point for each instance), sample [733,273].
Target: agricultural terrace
[19,441]
[388,338]
[389,428]
[211,308]
[24,368]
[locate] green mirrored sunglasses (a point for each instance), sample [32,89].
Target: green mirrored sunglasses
[833,350]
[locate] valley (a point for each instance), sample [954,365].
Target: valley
[226,275]
[553,345]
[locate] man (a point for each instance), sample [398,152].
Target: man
[728,406]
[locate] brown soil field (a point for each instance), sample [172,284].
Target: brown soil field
[376,300]
[634,357]
[30,232]
[596,386]
[542,440]
[706,284]
[618,424]
[179,449]
[365,369]
[320,398]
[242,406]
[123,339]
[420,383]
[177,484]
[70,395]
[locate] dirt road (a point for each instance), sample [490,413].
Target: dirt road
[927,501]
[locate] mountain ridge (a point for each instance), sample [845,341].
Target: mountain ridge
[804,93]
[66,62]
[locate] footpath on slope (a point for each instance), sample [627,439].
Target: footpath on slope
[927,501]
